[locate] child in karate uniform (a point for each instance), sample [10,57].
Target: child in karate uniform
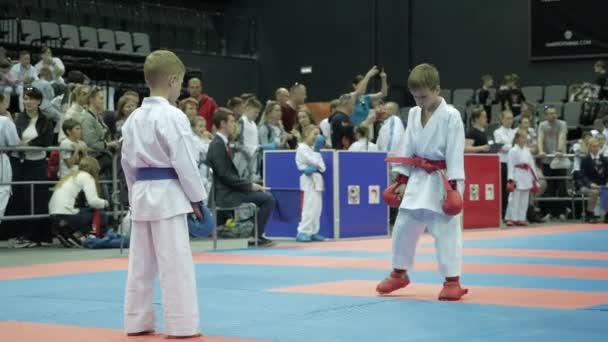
[159,162]
[310,162]
[431,157]
[522,178]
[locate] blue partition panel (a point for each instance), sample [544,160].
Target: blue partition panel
[280,172]
[362,218]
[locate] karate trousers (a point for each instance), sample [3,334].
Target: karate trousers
[311,212]
[446,230]
[518,205]
[161,247]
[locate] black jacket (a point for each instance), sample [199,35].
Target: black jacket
[229,187]
[594,171]
[44,127]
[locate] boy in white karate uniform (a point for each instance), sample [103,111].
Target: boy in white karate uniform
[310,162]
[521,179]
[431,154]
[159,161]
[246,160]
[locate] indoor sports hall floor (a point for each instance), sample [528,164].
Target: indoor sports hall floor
[533,284]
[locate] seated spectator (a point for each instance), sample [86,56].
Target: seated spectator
[342,130]
[594,175]
[231,190]
[65,193]
[24,73]
[34,130]
[190,107]
[476,137]
[362,144]
[69,160]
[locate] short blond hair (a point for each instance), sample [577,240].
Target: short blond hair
[160,65]
[423,76]
[189,100]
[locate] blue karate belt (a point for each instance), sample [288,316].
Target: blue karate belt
[155,173]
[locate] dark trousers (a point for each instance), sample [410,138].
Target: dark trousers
[265,203]
[21,204]
[503,185]
[555,188]
[82,221]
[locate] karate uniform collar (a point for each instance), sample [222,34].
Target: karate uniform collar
[155,99]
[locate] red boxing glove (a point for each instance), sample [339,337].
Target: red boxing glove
[535,188]
[452,204]
[391,198]
[511,186]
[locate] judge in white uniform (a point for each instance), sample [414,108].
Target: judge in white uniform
[431,154]
[159,161]
[8,138]
[521,179]
[310,162]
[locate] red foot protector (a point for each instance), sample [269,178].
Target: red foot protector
[452,291]
[394,282]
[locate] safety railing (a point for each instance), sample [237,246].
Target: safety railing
[114,182]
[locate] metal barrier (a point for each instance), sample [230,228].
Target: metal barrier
[116,211]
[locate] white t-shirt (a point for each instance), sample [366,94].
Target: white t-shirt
[63,199]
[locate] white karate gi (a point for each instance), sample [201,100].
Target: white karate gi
[246,160]
[312,186]
[504,136]
[8,137]
[391,132]
[201,145]
[518,199]
[363,146]
[325,127]
[441,139]
[159,135]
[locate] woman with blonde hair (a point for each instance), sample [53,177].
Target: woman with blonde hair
[79,95]
[72,220]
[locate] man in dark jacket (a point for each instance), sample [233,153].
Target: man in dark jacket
[230,189]
[594,175]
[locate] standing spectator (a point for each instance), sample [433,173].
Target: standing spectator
[248,141]
[476,137]
[79,95]
[325,126]
[4,107]
[304,121]
[602,79]
[69,160]
[281,95]
[54,64]
[206,103]
[231,190]
[527,111]
[363,102]
[34,129]
[24,73]
[552,140]
[125,106]
[43,83]
[190,107]
[270,128]
[362,143]
[484,97]
[297,97]
[392,130]
[342,130]
[8,81]
[504,135]
[594,175]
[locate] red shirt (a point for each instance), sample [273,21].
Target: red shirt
[206,108]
